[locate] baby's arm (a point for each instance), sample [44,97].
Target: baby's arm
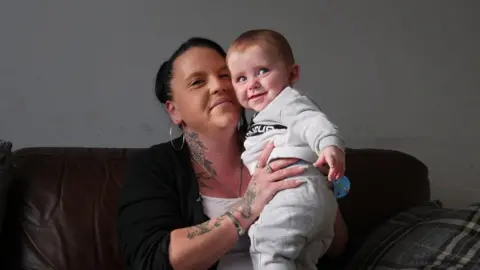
[307,120]
[304,118]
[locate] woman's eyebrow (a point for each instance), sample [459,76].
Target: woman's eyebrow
[223,68]
[193,75]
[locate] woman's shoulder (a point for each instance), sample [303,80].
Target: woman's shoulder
[162,155]
[161,160]
[158,167]
[152,174]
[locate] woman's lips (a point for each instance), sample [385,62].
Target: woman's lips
[220,102]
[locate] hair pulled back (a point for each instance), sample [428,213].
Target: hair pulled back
[163,88]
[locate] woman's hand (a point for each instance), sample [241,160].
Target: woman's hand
[264,184]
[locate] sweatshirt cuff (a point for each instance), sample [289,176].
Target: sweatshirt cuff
[331,141]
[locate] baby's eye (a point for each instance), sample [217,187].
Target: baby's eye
[241,79]
[262,71]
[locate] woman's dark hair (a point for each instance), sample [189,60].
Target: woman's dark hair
[163,80]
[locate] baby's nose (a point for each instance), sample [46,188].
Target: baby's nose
[254,84]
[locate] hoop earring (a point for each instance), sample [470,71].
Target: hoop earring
[171,139]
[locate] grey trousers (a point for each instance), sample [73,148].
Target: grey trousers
[296,227]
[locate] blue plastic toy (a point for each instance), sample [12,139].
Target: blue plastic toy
[341,187]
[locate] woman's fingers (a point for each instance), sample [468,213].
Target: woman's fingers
[267,150]
[286,172]
[287,184]
[282,163]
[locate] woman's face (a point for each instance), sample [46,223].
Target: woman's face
[203,99]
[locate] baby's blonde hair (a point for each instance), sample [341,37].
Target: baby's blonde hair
[269,40]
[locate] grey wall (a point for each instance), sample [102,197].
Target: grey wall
[393,74]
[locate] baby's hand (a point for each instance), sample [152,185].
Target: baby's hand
[335,158]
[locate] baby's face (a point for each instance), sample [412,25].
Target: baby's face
[257,76]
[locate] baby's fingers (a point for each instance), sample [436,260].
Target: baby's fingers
[341,170]
[332,174]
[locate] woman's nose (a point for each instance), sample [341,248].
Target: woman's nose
[217,85]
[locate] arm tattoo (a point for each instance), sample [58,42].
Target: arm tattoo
[198,152]
[249,197]
[245,206]
[204,227]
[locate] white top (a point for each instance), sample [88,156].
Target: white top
[300,129]
[238,258]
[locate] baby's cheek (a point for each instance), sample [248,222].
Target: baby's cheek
[244,103]
[275,82]
[241,96]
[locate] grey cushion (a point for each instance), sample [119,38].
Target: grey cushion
[424,237]
[5,175]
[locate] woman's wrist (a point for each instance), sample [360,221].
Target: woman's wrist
[240,229]
[243,215]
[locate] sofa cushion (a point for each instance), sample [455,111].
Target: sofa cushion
[62,209]
[5,176]
[424,237]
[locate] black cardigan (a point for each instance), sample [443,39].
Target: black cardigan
[160,194]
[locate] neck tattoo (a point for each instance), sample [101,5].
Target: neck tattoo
[239,192]
[198,154]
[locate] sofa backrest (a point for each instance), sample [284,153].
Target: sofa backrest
[62,206]
[5,176]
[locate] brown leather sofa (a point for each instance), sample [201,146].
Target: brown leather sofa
[61,207]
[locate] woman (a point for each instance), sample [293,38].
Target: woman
[187,203]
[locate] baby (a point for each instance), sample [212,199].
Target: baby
[297,227]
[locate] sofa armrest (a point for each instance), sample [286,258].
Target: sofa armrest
[383,183]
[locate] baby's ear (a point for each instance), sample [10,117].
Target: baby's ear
[294,74]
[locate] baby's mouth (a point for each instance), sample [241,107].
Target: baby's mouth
[257,95]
